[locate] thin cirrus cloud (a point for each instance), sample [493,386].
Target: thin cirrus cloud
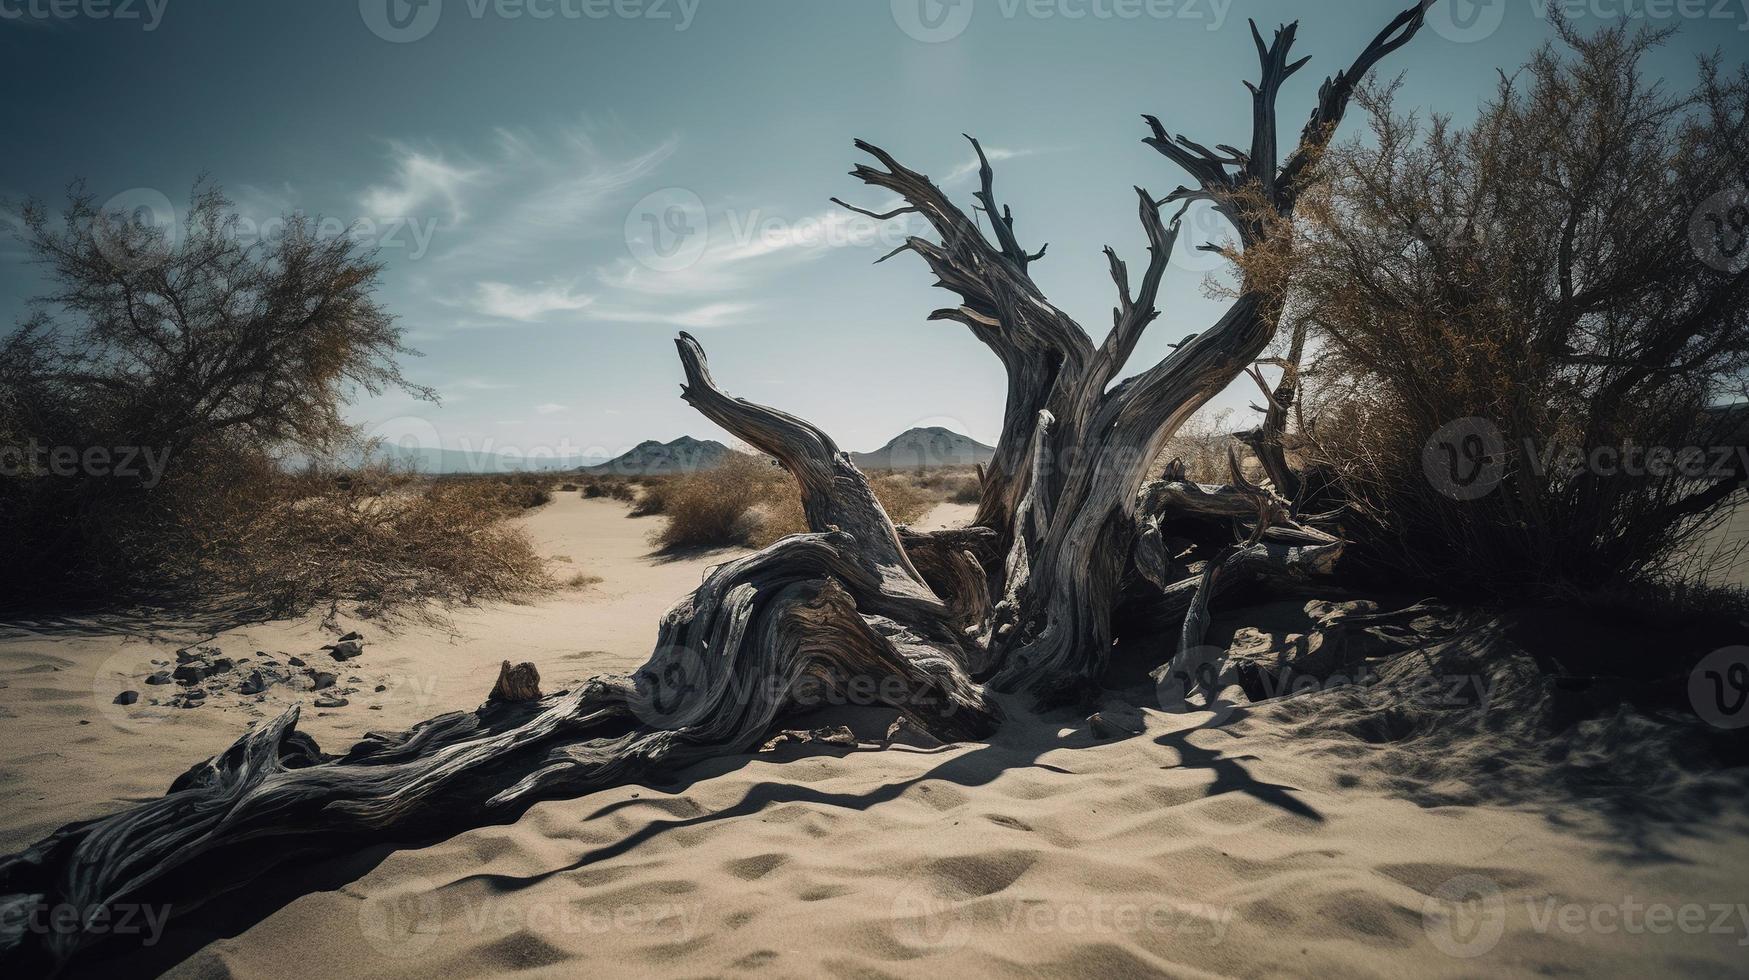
[505,301]
[993,154]
[421,181]
[548,195]
[745,247]
[522,216]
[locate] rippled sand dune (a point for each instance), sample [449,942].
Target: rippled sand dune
[1327,834]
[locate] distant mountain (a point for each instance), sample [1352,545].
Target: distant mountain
[927,448]
[424,459]
[652,458]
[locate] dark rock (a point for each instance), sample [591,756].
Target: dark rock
[159,678]
[904,731]
[1116,720]
[254,683]
[127,697]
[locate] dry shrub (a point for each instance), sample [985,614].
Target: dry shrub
[374,537]
[710,508]
[1541,282]
[748,500]
[607,487]
[780,506]
[652,496]
[965,491]
[1201,443]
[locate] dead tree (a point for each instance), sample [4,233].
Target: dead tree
[933,625]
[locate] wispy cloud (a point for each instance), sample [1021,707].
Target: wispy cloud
[994,153]
[545,194]
[527,304]
[421,179]
[699,317]
[746,247]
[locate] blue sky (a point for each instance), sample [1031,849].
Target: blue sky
[557,186]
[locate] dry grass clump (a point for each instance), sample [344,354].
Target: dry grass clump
[750,501]
[611,488]
[651,497]
[1201,444]
[373,537]
[582,580]
[709,508]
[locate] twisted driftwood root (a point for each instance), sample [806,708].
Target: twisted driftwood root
[856,609]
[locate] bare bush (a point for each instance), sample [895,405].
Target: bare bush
[1554,282]
[219,360]
[712,508]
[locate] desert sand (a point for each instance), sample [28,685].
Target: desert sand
[1336,831]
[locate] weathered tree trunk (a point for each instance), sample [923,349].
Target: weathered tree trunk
[925,623]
